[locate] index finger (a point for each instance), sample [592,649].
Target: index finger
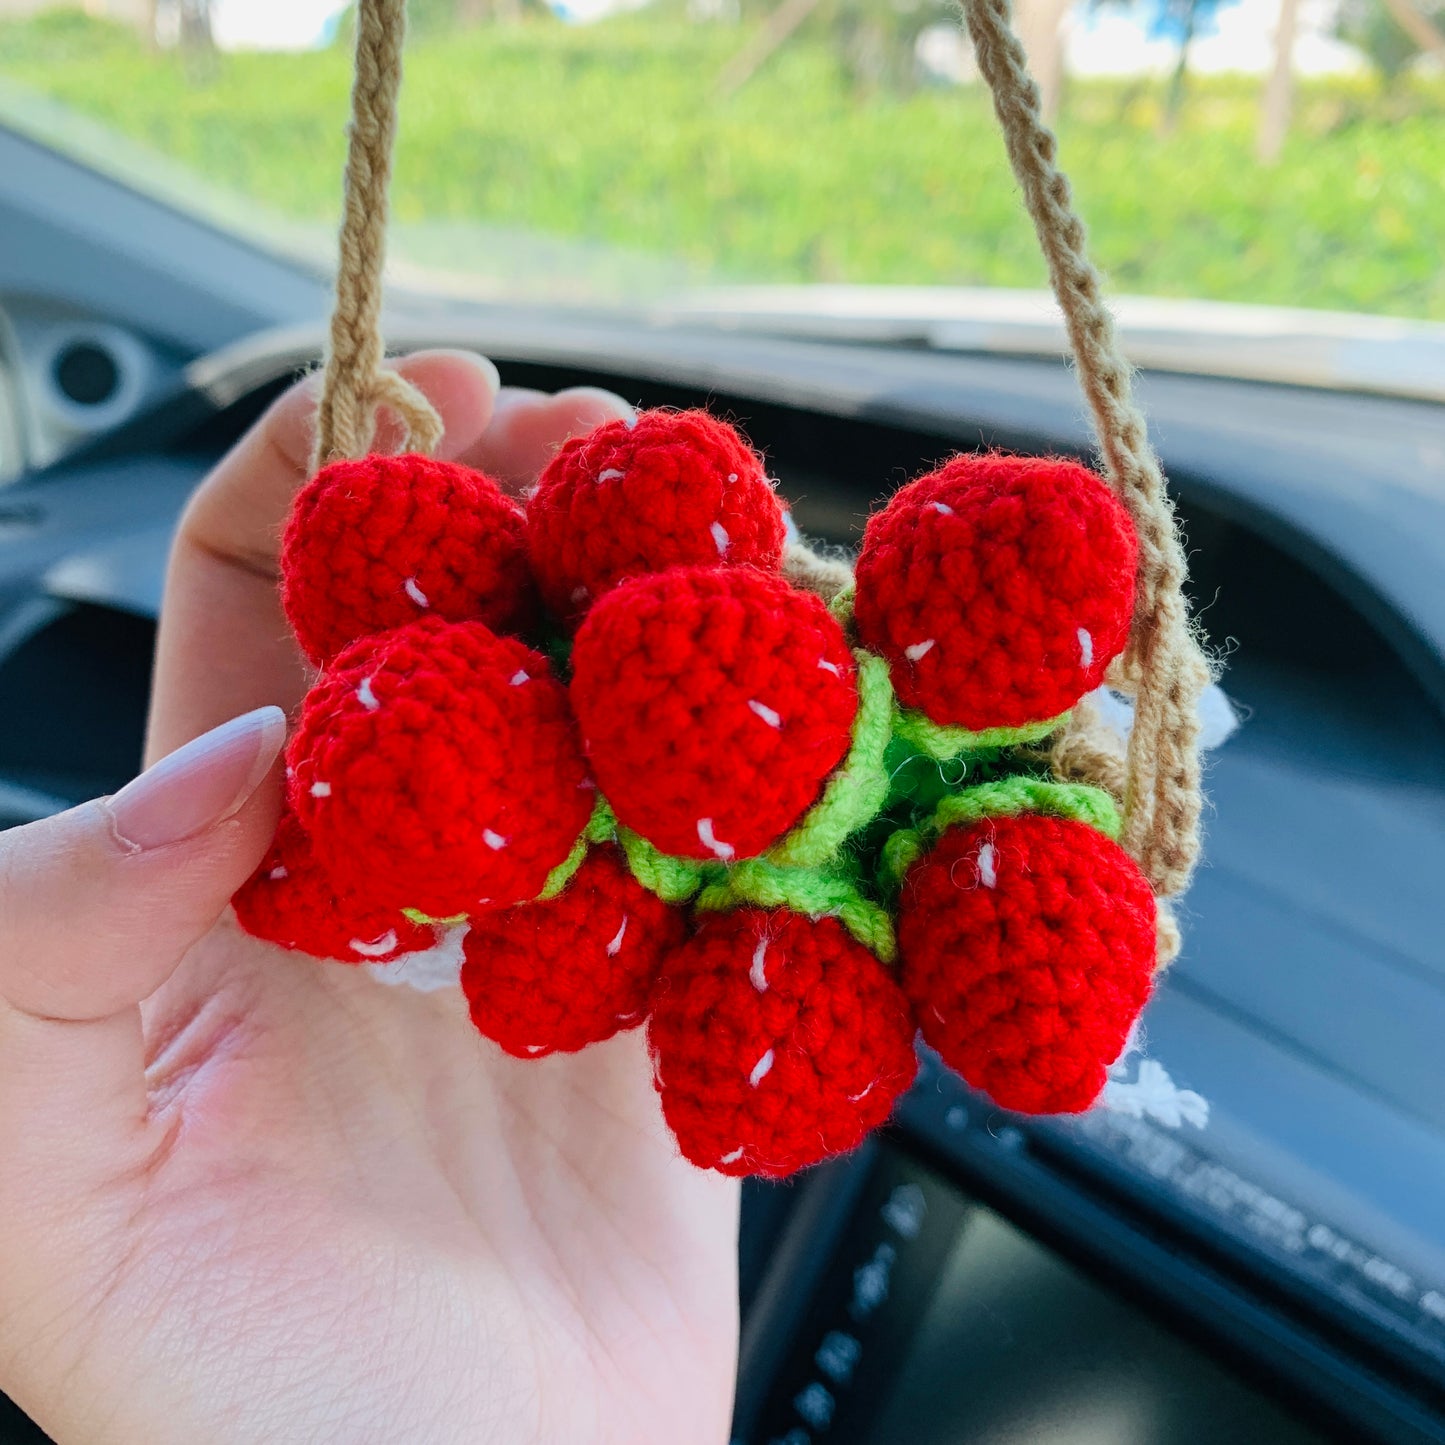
[223,646]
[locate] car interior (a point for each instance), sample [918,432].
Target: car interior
[969,1275]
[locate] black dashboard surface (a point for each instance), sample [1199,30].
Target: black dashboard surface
[1309,1003]
[940,1322]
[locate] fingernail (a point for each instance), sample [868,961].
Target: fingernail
[608,404]
[510,398]
[485,365]
[474,359]
[198,785]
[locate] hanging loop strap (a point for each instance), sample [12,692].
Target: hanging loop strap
[1163,666]
[355,382]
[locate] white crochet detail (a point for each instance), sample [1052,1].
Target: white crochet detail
[432,969]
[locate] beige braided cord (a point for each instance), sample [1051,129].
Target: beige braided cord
[1164,665]
[355,381]
[804,566]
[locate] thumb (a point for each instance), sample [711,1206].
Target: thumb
[97,907]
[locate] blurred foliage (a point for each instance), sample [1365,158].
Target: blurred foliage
[612,133]
[432,17]
[876,40]
[1371,29]
[873,41]
[60,37]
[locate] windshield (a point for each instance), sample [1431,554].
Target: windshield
[609,150]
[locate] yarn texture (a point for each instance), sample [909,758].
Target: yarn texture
[714,703]
[355,382]
[376,543]
[1027,948]
[858,789]
[1000,798]
[290,900]
[776,1040]
[436,767]
[998,588]
[811,891]
[672,489]
[557,975]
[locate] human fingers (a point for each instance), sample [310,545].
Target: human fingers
[98,906]
[224,645]
[528,427]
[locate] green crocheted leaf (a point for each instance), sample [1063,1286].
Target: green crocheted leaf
[901,851]
[674,880]
[856,792]
[557,648]
[564,872]
[941,743]
[917,783]
[601,827]
[426,920]
[1000,798]
[1022,794]
[811,891]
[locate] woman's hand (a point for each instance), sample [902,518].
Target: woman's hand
[246,1196]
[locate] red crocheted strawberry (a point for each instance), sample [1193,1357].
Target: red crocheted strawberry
[291,901]
[998,588]
[378,542]
[776,1040]
[1028,951]
[713,703]
[436,767]
[571,971]
[672,489]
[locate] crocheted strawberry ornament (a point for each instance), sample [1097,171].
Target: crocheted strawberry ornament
[1027,948]
[785,851]
[436,767]
[290,900]
[670,489]
[713,704]
[573,970]
[998,588]
[376,543]
[776,1040]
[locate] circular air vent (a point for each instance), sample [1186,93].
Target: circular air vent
[91,377]
[87,373]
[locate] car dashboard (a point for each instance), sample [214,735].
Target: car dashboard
[973,1276]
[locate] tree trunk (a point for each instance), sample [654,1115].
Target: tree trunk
[1041,30]
[1416,26]
[196,36]
[1274,115]
[1174,101]
[772,33]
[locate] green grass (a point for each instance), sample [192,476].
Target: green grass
[612,134]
